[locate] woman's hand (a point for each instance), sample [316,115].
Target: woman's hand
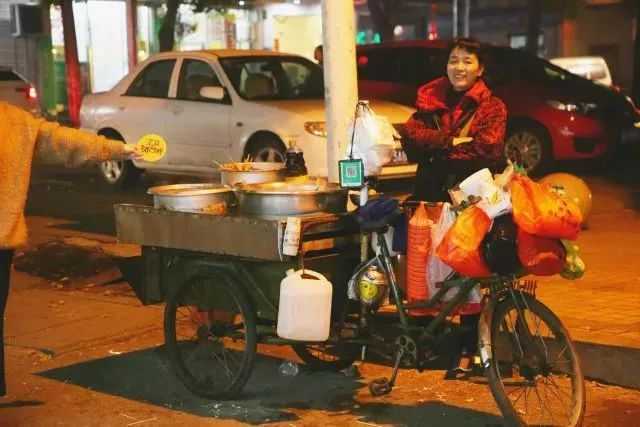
[131,153]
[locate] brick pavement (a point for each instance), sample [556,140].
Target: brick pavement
[603,307]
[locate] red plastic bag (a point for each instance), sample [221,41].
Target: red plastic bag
[460,248]
[538,210]
[540,255]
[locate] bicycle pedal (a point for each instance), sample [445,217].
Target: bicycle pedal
[380,387]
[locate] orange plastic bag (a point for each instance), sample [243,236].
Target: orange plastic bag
[461,249]
[540,255]
[538,210]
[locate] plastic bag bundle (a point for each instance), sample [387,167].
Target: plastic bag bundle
[373,139]
[461,248]
[539,210]
[540,255]
[438,271]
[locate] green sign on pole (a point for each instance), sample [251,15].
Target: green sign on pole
[351,173]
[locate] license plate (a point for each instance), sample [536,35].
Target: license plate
[399,157]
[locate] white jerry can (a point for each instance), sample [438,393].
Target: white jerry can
[304,313]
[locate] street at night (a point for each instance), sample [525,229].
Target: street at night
[84,351]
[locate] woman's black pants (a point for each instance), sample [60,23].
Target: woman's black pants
[6,256]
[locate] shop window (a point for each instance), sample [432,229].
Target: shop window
[153,81]
[195,75]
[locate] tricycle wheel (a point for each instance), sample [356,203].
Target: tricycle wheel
[210,334]
[534,374]
[323,357]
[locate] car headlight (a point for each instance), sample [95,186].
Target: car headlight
[581,107]
[316,128]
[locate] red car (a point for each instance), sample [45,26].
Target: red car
[553,114]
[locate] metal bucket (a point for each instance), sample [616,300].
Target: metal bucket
[260,173]
[284,199]
[191,197]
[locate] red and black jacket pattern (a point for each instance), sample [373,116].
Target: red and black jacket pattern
[434,124]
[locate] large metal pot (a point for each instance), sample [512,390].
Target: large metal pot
[261,172]
[191,197]
[284,199]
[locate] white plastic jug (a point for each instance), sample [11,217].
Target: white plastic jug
[305,306]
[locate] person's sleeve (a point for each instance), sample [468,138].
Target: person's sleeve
[489,129]
[60,145]
[419,133]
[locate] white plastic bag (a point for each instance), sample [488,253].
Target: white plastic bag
[503,180]
[373,140]
[438,271]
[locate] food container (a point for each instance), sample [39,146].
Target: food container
[259,173]
[284,199]
[192,197]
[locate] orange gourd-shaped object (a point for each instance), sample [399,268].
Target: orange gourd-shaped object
[418,247]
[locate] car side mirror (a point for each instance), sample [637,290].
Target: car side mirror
[215,93]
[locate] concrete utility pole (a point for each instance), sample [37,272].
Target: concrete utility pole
[340,80]
[132,33]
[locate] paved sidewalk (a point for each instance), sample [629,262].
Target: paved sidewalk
[603,307]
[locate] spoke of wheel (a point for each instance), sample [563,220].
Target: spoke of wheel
[223,364]
[559,389]
[559,396]
[555,362]
[543,405]
[523,393]
[515,332]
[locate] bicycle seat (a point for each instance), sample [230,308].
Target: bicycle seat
[379,223]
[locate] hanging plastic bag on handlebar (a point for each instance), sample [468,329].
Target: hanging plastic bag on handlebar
[438,271]
[539,210]
[461,248]
[540,255]
[372,139]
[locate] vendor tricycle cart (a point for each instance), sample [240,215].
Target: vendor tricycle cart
[220,278]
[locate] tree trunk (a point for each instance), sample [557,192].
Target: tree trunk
[535,21]
[381,17]
[167,32]
[74,96]
[636,60]
[132,33]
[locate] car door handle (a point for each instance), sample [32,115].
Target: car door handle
[177,111]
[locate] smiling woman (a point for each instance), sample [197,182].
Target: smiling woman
[458,129]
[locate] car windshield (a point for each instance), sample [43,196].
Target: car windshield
[274,77]
[523,64]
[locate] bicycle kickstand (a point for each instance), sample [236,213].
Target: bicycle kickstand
[382,386]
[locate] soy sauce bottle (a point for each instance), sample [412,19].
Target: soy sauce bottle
[295,169]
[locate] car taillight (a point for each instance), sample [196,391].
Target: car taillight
[30,92]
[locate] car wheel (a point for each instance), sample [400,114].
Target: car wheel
[118,174]
[266,148]
[529,147]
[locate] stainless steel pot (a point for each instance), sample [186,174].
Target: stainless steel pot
[261,172]
[191,197]
[284,199]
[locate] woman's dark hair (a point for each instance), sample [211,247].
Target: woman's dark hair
[468,44]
